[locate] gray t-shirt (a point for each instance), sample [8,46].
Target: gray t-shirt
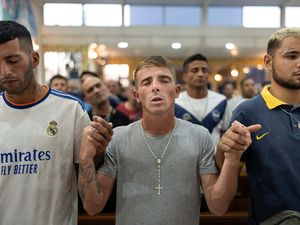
[190,153]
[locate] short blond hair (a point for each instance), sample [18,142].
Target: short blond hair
[155,61]
[277,38]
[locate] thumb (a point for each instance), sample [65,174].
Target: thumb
[254,128]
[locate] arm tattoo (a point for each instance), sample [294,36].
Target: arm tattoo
[88,175]
[87,172]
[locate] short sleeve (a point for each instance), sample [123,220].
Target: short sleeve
[206,162]
[109,166]
[81,121]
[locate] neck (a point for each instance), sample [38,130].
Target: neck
[102,109]
[290,96]
[31,94]
[158,125]
[197,93]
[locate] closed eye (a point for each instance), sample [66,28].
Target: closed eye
[146,81]
[12,59]
[165,79]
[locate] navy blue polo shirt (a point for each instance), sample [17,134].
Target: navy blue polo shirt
[273,158]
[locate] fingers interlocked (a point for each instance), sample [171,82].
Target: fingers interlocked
[100,133]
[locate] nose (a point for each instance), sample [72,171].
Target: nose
[298,62]
[155,86]
[200,73]
[96,89]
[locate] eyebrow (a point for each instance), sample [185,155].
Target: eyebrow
[164,76]
[12,56]
[159,76]
[289,50]
[146,78]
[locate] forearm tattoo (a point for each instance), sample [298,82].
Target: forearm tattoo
[88,175]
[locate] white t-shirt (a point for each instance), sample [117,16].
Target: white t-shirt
[39,145]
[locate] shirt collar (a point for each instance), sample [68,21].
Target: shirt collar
[270,100]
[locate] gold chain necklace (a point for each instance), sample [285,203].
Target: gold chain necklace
[158,159]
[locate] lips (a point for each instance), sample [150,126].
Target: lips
[8,80]
[156,99]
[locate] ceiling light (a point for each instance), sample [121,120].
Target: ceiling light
[122,44]
[229,46]
[246,70]
[92,54]
[234,73]
[101,47]
[218,77]
[176,45]
[93,45]
[259,66]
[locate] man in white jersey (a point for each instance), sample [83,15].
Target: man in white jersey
[160,161]
[40,137]
[198,104]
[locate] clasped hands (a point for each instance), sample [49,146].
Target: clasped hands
[236,139]
[96,137]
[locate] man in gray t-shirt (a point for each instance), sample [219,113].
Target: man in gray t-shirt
[159,162]
[190,153]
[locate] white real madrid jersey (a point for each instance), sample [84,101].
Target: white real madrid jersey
[39,145]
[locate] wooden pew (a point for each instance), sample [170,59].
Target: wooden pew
[206,218]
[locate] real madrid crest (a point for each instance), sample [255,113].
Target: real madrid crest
[52,128]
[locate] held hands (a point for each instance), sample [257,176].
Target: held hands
[236,139]
[95,138]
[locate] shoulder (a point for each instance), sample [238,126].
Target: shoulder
[248,110]
[124,134]
[126,130]
[215,96]
[120,114]
[62,96]
[119,118]
[251,104]
[188,127]
[182,97]
[194,134]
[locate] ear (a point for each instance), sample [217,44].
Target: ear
[35,59]
[177,90]
[268,61]
[135,94]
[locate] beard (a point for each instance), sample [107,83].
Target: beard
[286,83]
[23,83]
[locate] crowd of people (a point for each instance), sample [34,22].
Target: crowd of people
[148,153]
